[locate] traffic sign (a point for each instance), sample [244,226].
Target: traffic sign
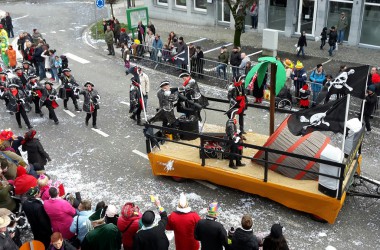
[99,3]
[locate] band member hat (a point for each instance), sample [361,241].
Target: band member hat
[164,83]
[89,83]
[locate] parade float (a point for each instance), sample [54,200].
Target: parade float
[297,165]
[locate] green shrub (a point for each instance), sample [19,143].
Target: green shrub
[99,26]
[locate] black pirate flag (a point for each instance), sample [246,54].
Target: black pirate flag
[327,117]
[351,81]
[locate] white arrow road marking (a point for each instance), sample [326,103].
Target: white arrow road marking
[69,113]
[53,32]
[207,51]
[199,40]
[100,132]
[20,17]
[140,154]
[126,103]
[76,58]
[62,30]
[258,52]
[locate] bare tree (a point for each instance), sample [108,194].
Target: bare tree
[111,2]
[239,16]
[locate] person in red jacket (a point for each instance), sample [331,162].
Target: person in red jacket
[183,222]
[128,224]
[23,181]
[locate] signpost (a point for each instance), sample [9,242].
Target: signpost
[99,3]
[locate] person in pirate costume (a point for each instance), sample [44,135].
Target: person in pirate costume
[34,91]
[69,89]
[28,69]
[90,103]
[238,98]
[48,99]
[4,82]
[21,78]
[18,103]
[192,93]
[166,101]
[137,104]
[234,135]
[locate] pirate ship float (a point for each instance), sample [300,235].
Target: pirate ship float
[305,173]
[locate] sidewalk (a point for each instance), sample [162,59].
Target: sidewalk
[345,53]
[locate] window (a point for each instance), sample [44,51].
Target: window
[200,5]
[335,10]
[162,2]
[370,21]
[180,3]
[277,14]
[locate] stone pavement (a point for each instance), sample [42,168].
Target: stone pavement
[345,52]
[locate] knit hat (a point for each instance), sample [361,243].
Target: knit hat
[213,209]
[164,83]
[89,83]
[184,74]
[371,88]
[276,231]
[43,180]
[305,87]
[299,65]
[27,62]
[111,211]
[6,135]
[66,70]
[129,210]
[97,216]
[122,29]
[148,218]
[183,205]
[33,191]
[21,171]
[231,232]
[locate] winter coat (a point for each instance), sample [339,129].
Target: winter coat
[141,33]
[11,53]
[35,37]
[223,57]
[183,225]
[271,243]
[37,56]
[48,96]
[36,153]
[68,84]
[302,41]
[333,37]
[211,234]
[128,233]
[117,29]
[324,34]
[23,183]
[301,77]
[8,22]
[13,161]
[108,36]
[317,80]
[144,83]
[105,236]
[61,215]
[235,58]
[157,44]
[6,200]
[16,101]
[304,95]
[83,222]
[342,24]
[38,219]
[90,100]
[244,240]
[370,104]
[149,39]
[65,246]
[181,47]
[6,242]
[244,62]
[153,237]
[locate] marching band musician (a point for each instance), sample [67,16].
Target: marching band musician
[90,103]
[136,103]
[34,90]
[166,101]
[21,78]
[18,103]
[48,99]
[238,99]
[234,135]
[28,69]
[69,89]
[4,82]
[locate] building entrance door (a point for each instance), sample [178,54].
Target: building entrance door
[307,10]
[224,13]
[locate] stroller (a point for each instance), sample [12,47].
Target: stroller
[284,99]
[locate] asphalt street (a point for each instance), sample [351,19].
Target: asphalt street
[111,165]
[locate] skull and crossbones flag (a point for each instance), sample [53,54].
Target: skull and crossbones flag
[352,81]
[327,117]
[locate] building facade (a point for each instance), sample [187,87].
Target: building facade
[290,17]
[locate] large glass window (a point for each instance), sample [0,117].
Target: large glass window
[306,16]
[277,14]
[224,13]
[200,5]
[162,2]
[180,3]
[335,10]
[371,22]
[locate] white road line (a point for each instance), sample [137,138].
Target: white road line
[20,17]
[199,40]
[53,32]
[62,30]
[100,132]
[85,40]
[84,25]
[327,61]
[127,136]
[126,103]
[71,29]
[76,58]
[206,184]
[43,34]
[258,52]
[69,113]
[140,154]
[78,27]
[207,51]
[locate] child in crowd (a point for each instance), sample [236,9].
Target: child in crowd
[304,95]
